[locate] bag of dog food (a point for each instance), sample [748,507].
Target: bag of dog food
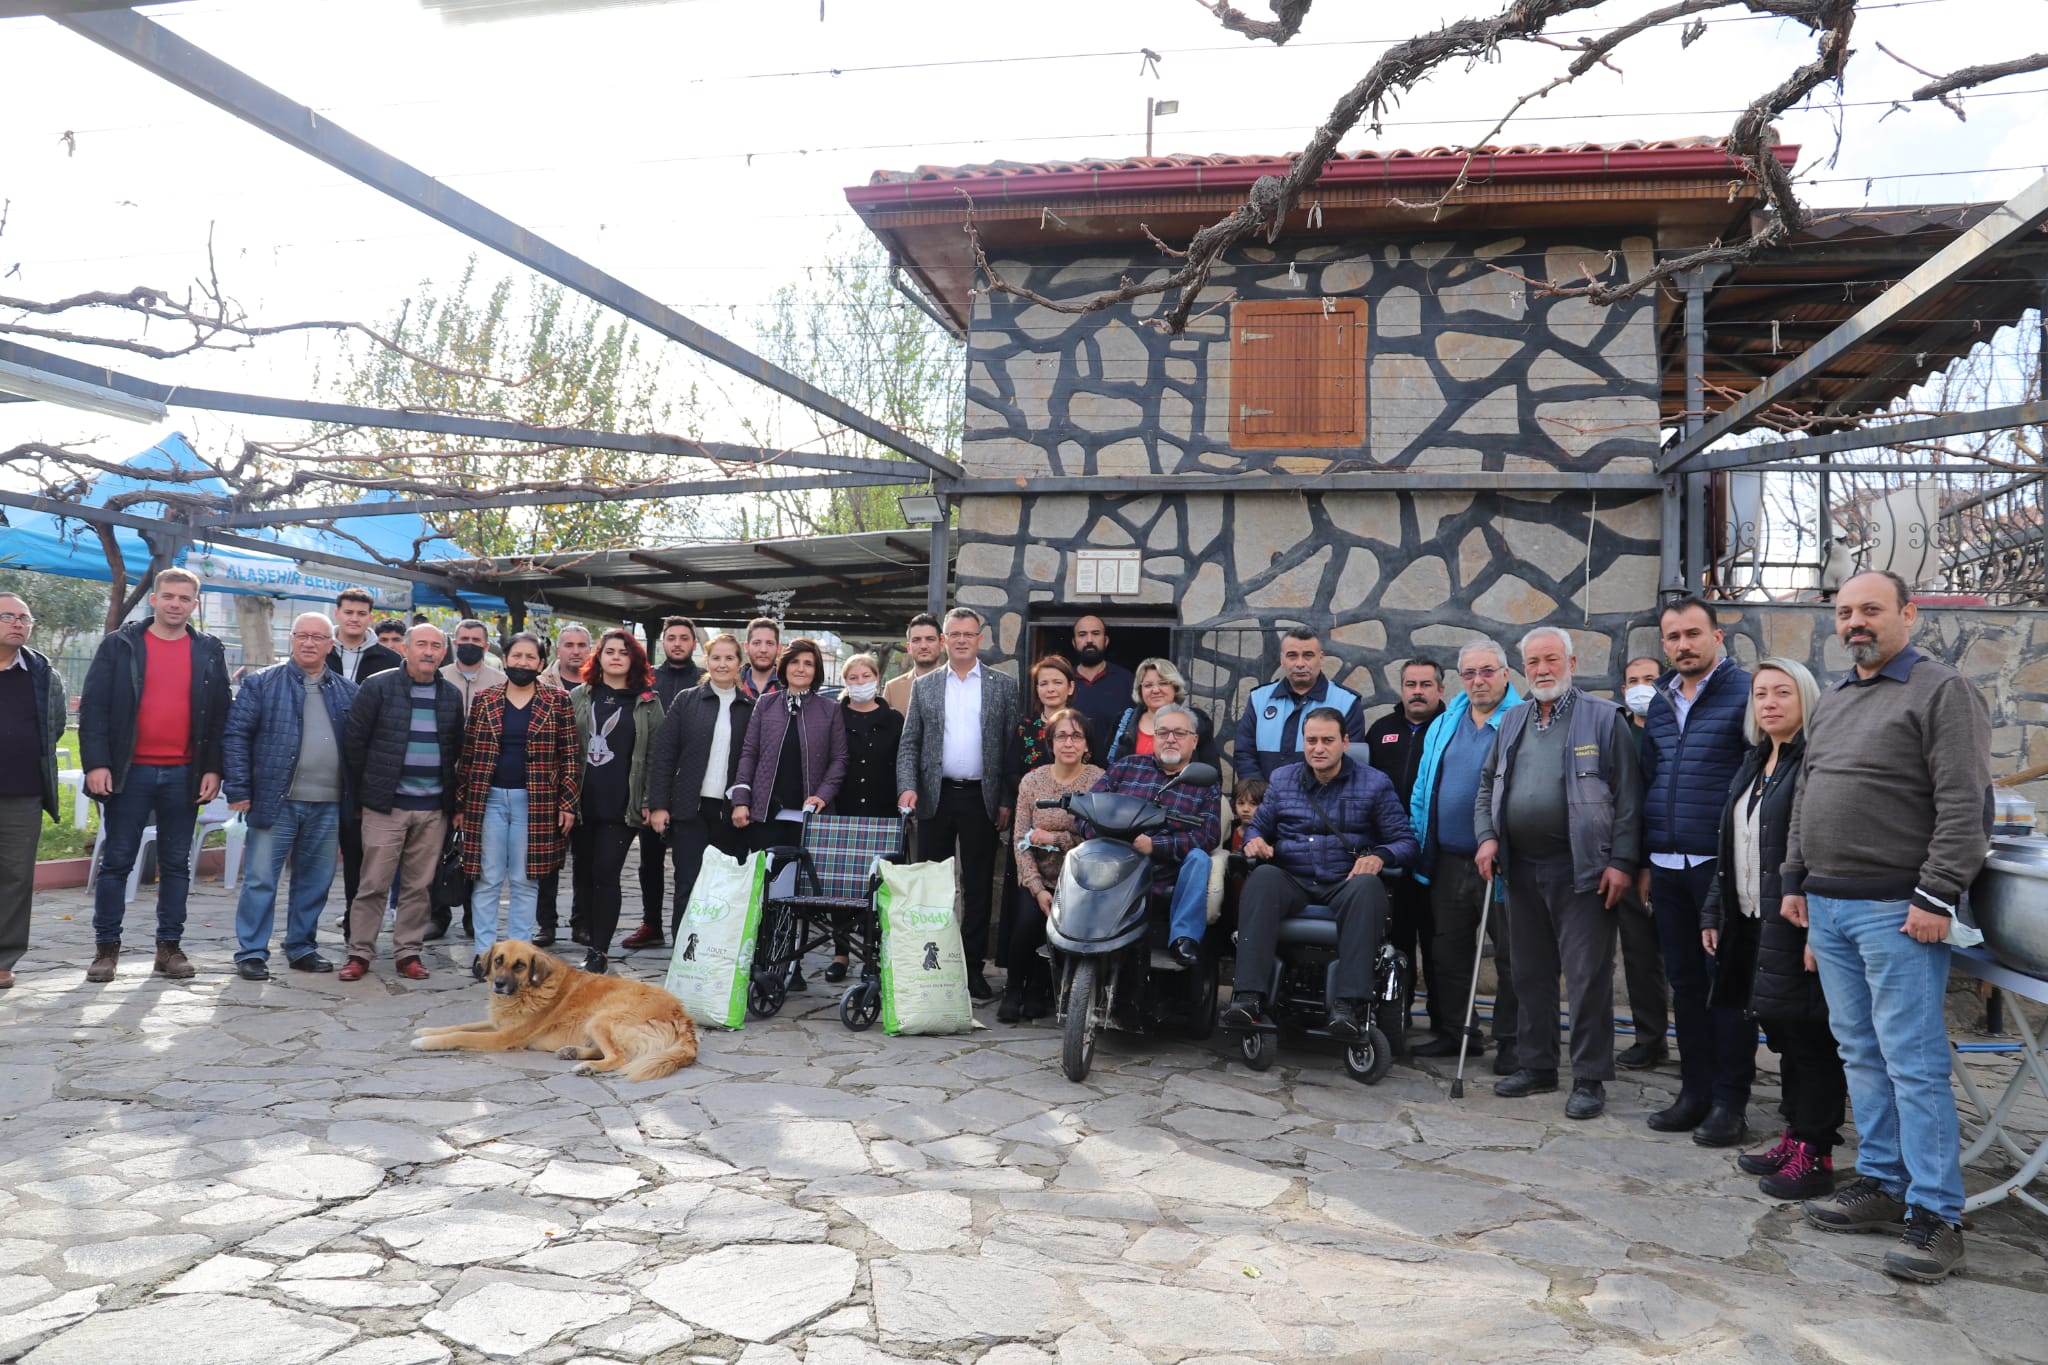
[714,953]
[924,968]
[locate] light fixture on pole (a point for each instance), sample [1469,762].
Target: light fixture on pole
[24,382]
[1160,107]
[922,509]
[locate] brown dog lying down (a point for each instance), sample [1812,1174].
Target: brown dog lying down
[607,1023]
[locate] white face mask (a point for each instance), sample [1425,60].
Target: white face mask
[863,692]
[1638,698]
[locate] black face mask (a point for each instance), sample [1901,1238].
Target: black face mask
[469,655]
[1089,655]
[521,677]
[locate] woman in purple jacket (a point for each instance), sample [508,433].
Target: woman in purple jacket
[794,756]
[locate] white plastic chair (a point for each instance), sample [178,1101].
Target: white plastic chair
[74,778]
[214,815]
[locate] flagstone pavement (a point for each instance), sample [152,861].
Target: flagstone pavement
[216,1172]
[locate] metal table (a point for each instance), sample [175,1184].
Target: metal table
[1990,1125]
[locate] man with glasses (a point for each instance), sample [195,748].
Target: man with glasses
[1440,810]
[949,768]
[285,774]
[32,716]
[1328,828]
[150,720]
[1269,732]
[1180,852]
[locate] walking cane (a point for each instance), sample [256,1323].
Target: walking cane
[1472,996]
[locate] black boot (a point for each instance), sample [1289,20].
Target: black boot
[1011,1007]
[1343,1023]
[1244,1010]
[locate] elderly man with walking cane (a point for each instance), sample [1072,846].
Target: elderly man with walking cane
[1560,815]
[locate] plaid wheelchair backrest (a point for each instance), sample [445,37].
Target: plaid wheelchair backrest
[839,853]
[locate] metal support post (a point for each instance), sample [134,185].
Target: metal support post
[940,562]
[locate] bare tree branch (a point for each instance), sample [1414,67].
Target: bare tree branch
[1286,22]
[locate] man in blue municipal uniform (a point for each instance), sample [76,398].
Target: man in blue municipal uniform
[1269,731]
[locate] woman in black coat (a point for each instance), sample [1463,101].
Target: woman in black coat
[1762,963]
[696,760]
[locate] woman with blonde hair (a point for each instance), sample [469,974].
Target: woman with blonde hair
[1158,683]
[1763,965]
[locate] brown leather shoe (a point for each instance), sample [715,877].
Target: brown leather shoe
[172,962]
[412,969]
[104,956]
[355,969]
[6,980]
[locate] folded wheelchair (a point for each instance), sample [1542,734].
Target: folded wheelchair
[820,889]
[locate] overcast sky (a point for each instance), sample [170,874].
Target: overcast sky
[663,141]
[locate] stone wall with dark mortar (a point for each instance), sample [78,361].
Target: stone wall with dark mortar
[1465,370]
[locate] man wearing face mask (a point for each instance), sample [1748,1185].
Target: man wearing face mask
[1639,685]
[468,671]
[1642,956]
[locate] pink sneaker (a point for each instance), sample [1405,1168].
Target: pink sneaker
[1768,1163]
[1808,1173]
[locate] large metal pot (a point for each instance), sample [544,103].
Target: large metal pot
[2009,902]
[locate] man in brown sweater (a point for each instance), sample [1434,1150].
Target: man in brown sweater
[1891,824]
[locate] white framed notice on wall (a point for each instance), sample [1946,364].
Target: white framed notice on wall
[1106,573]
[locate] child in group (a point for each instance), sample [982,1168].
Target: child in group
[1244,804]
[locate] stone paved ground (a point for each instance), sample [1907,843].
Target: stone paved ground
[217,1172]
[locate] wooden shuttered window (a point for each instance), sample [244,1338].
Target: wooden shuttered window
[1297,372]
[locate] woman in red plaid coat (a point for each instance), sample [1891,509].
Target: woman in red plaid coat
[517,790]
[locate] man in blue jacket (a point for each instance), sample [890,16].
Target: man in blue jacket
[1692,746]
[1440,810]
[1269,731]
[1327,828]
[285,773]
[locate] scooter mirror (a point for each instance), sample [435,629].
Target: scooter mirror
[1199,775]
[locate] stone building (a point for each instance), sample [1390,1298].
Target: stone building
[1375,427]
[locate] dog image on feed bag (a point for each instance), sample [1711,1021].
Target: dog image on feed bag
[605,1023]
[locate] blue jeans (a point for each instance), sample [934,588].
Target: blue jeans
[1885,996]
[308,835]
[163,797]
[1188,916]
[502,832]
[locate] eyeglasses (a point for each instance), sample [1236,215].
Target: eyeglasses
[311,639]
[1173,734]
[1480,674]
[16,618]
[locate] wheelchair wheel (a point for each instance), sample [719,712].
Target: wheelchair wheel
[765,995]
[861,1005]
[1084,1017]
[1391,1017]
[1252,1046]
[1369,1058]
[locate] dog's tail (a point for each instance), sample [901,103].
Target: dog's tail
[680,1049]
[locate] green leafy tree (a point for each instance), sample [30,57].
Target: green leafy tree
[67,610]
[541,356]
[844,328]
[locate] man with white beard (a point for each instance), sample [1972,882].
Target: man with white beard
[1560,815]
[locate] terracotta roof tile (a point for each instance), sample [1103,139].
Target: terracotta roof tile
[1017,170]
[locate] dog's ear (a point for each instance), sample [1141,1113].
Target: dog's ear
[543,967]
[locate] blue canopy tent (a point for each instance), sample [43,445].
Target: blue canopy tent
[47,543]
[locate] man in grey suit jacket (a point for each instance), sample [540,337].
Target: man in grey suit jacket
[950,768]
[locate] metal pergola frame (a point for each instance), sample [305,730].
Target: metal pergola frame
[1689,462]
[150,46]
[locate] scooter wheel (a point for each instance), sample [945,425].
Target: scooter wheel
[1077,1037]
[860,1006]
[765,995]
[1252,1047]
[1369,1058]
